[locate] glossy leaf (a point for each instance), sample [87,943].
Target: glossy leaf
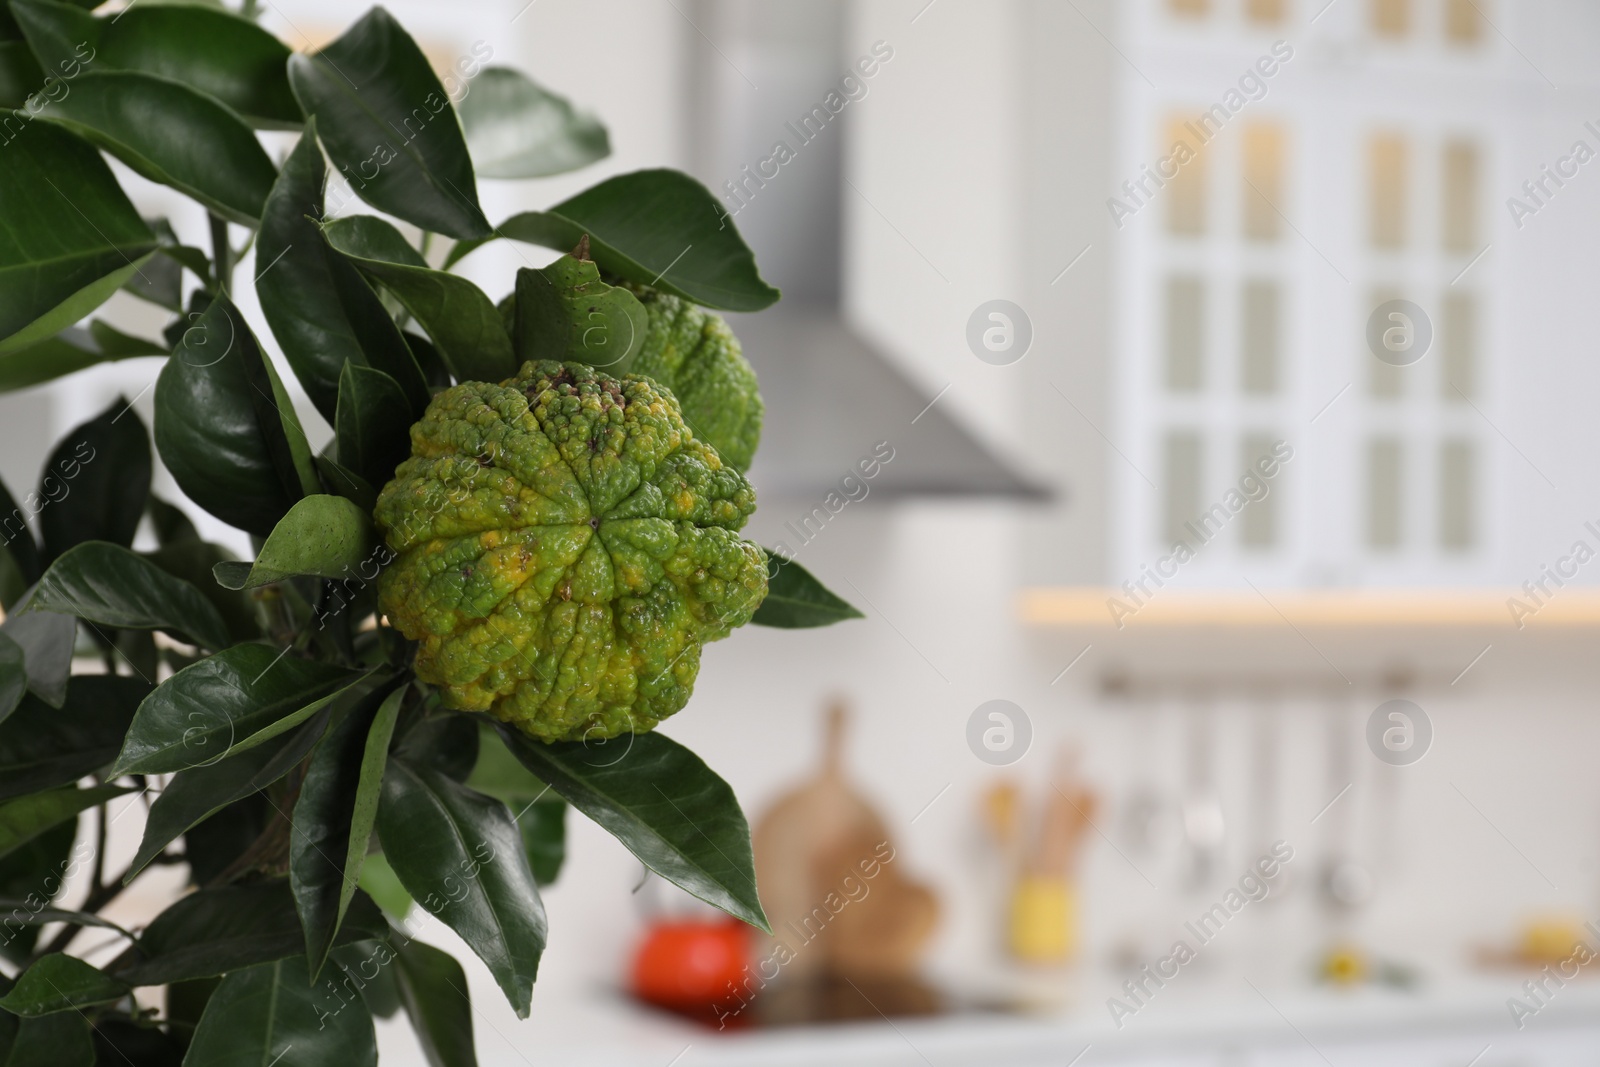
[433,988]
[59,982]
[13,679]
[208,49]
[172,135]
[655,227]
[541,813]
[205,711]
[46,641]
[662,802]
[200,792]
[334,816]
[25,818]
[97,481]
[109,585]
[373,423]
[274,1012]
[459,318]
[795,599]
[323,536]
[459,854]
[52,1041]
[516,129]
[215,931]
[194,562]
[388,125]
[565,312]
[224,426]
[70,351]
[42,747]
[322,311]
[69,236]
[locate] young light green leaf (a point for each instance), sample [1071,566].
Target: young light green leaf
[173,135]
[459,854]
[373,423]
[59,982]
[71,238]
[322,536]
[25,818]
[795,599]
[663,803]
[206,711]
[659,228]
[43,747]
[199,793]
[516,129]
[565,312]
[107,584]
[388,126]
[433,988]
[322,311]
[460,319]
[224,428]
[208,49]
[97,480]
[334,816]
[275,1011]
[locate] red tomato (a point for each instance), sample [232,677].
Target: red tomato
[695,966]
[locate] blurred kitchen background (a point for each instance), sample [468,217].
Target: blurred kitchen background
[1161,342]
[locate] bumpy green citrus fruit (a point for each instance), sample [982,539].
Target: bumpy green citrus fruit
[693,352]
[565,545]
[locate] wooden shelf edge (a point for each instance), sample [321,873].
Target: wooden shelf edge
[1089,606]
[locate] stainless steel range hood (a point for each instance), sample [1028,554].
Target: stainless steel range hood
[830,394]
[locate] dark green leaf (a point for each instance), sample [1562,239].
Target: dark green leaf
[46,641]
[444,741]
[123,1043]
[25,818]
[52,1041]
[347,483]
[433,988]
[322,536]
[172,526]
[544,834]
[13,678]
[197,794]
[373,425]
[215,931]
[460,319]
[659,228]
[364,967]
[795,599]
[59,982]
[459,854]
[515,129]
[70,351]
[109,585]
[388,125]
[379,881]
[20,76]
[662,802]
[225,428]
[97,481]
[16,541]
[194,562]
[565,312]
[333,818]
[69,236]
[43,747]
[270,1012]
[23,912]
[541,813]
[207,711]
[35,874]
[208,49]
[322,311]
[172,135]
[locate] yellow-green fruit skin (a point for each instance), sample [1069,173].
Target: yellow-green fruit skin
[694,353]
[564,547]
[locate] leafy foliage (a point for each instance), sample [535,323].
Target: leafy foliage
[289,745]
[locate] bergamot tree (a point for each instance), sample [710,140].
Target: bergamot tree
[487,589]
